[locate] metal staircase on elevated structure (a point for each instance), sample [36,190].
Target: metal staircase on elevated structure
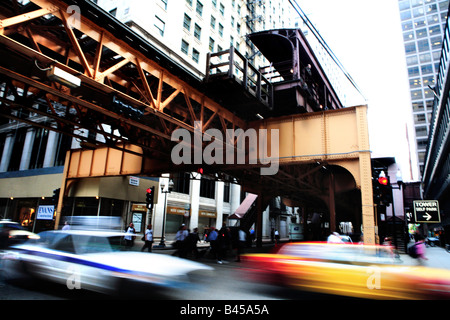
[293,83]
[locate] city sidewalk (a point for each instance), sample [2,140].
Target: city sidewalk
[437,258]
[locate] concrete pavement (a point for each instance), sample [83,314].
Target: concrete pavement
[437,258]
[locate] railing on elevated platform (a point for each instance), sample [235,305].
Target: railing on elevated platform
[231,64]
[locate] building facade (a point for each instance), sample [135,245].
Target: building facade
[423,23]
[32,159]
[187,30]
[436,176]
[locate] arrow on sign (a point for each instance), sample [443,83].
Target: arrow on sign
[427,216]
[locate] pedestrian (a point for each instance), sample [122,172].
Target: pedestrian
[66,226]
[212,239]
[191,243]
[180,244]
[420,249]
[223,243]
[129,237]
[277,236]
[252,236]
[148,238]
[242,238]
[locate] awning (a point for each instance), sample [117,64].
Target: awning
[244,207]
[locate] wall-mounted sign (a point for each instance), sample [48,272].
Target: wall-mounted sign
[427,211]
[178,211]
[45,212]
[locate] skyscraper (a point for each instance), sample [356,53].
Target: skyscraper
[423,24]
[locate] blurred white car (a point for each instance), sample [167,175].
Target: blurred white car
[14,233]
[93,260]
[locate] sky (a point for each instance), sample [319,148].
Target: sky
[366,37]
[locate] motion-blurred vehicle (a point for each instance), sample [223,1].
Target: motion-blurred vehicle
[346,238]
[13,233]
[355,270]
[93,260]
[432,241]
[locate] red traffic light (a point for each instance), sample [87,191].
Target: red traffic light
[383,180]
[149,190]
[200,170]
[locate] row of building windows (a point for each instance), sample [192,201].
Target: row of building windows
[207,186]
[423,22]
[408,4]
[35,156]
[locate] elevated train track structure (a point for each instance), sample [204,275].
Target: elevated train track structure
[131,98]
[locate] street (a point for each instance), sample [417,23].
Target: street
[224,283]
[228,281]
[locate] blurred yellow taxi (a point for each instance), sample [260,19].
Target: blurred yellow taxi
[361,271]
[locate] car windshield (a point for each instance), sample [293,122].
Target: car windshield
[82,243]
[11,226]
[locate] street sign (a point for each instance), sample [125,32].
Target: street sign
[427,211]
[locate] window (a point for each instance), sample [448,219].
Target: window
[197,31]
[222,9]
[410,48]
[184,47]
[160,25]
[423,45]
[436,43]
[428,93]
[164,4]
[421,33]
[199,8]
[413,71]
[195,55]
[226,192]
[427,69]
[189,2]
[425,57]
[415,83]
[213,23]
[211,44]
[417,106]
[411,60]
[187,22]
[181,182]
[220,29]
[207,188]
[214,3]
[416,94]
[421,131]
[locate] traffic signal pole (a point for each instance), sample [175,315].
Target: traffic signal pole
[62,191]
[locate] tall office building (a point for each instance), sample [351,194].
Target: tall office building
[423,25]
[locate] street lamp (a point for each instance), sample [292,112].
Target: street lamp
[165,189]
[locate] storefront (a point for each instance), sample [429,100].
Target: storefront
[176,216]
[206,219]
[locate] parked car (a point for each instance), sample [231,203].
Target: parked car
[13,233]
[94,260]
[355,270]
